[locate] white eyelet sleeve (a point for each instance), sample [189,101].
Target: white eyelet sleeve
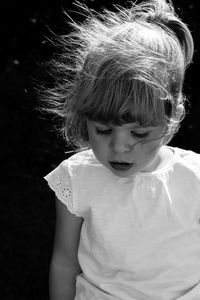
[59,181]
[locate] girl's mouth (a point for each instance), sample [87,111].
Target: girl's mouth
[120,166]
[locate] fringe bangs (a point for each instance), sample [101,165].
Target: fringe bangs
[125,100]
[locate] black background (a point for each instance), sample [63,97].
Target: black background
[29,146]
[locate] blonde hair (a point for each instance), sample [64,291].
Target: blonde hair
[122,66]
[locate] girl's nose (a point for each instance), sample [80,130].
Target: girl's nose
[121,143]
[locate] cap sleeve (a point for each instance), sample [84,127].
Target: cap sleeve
[59,181]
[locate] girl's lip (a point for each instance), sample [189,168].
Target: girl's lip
[120,166]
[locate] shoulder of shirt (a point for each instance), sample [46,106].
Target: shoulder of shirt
[188,159]
[84,168]
[85,157]
[188,154]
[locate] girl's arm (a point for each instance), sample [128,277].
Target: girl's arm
[64,264]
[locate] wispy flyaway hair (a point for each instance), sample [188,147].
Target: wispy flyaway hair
[122,66]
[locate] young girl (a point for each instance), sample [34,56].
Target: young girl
[128,207]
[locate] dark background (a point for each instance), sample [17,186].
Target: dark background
[29,146]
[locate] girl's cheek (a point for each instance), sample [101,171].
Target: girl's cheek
[152,147]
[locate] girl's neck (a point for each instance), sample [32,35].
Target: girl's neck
[162,159]
[165,155]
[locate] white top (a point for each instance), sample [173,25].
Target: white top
[140,238]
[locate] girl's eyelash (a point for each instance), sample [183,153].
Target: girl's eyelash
[140,135]
[108,131]
[103,131]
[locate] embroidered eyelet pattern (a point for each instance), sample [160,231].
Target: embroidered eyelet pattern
[60,183]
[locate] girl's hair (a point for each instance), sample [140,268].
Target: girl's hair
[122,66]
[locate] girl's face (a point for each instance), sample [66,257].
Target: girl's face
[126,149]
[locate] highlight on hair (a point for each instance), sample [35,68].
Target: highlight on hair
[122,66]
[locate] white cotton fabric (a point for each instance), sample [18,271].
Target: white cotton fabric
[140,238]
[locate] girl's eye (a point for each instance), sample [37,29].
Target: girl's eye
[140,135]
[103,131]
